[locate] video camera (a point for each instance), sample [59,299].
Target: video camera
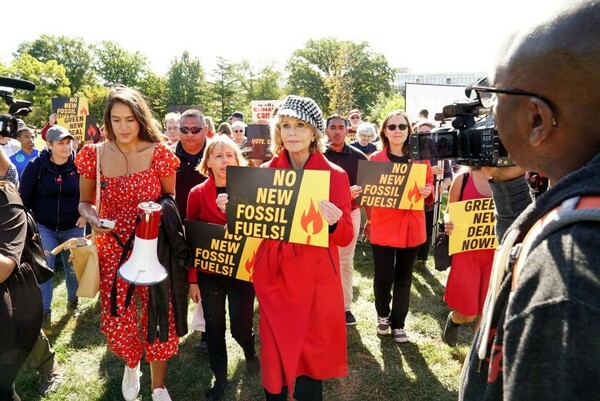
[469,142]
[8,122]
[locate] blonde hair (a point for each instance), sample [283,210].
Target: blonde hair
[277,143]
[215,141]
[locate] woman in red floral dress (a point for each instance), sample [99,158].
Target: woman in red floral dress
[135,167]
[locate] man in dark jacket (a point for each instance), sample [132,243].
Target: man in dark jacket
[189,150]
[346,157]
[538,339]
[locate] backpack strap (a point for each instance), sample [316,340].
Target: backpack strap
[573,210]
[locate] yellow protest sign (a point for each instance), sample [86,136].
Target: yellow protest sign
[72,114]
[391,185]
[216,251]
[474,225]
[281,204]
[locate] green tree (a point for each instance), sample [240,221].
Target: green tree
[328,69]
[154,88]
[116,65]
[340,83]
[96,96]
[383,104]
[50,80]
[73,53]
[226,94]
[185,82]
[260,84]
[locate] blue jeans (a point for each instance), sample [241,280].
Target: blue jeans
[50,240]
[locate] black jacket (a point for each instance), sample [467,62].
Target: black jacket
[175,254]
[51,191]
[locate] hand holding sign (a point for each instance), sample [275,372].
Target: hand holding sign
[355,191]
[425,191]
[330,212]
[222,201]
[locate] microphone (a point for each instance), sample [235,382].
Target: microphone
[17,83]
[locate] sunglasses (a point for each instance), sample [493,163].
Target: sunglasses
[238,130]
[401,127]
[193,130]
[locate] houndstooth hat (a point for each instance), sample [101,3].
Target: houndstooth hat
[303,108]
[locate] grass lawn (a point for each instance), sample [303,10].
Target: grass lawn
[424,369]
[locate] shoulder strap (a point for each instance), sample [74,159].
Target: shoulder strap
[98,147]
[573,210]
[463,185]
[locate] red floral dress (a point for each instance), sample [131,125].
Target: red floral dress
[119,198]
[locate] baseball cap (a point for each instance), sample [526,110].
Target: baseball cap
[57,133]
[237,114]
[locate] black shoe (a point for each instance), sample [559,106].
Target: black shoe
[450,336]
[202,344]
[350,319]
[253,366]
[73,308]
[216,392]
[421,267]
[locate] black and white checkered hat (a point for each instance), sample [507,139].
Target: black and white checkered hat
[303,108]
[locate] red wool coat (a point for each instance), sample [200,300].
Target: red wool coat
[202,206]
[302,325]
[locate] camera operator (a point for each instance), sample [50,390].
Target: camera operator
[539,339]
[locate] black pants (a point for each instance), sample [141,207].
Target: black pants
[393,278]
[305,389]
[215,289]
[8,374]
[423,252]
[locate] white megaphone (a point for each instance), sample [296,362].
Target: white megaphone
[143,267]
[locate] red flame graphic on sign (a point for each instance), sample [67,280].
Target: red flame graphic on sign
[91,132]
[83,111]
[414,195]
[250,265]
[314,217]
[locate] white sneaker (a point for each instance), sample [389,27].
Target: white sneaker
[131,383]
[160,394]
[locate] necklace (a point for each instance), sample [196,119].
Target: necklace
[57,169]
[126,160]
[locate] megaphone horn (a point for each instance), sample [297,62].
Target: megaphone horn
[143,267]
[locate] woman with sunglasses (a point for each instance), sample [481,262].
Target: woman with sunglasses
[395,234]
[50,188]
[238,130]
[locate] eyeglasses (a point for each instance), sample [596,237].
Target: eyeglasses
[238,130]
[193,130]
[488,98]
[401,127]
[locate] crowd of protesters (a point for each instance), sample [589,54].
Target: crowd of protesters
[540,299]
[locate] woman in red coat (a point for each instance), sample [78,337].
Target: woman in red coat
[302,321]
[395,234]
[203,204]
